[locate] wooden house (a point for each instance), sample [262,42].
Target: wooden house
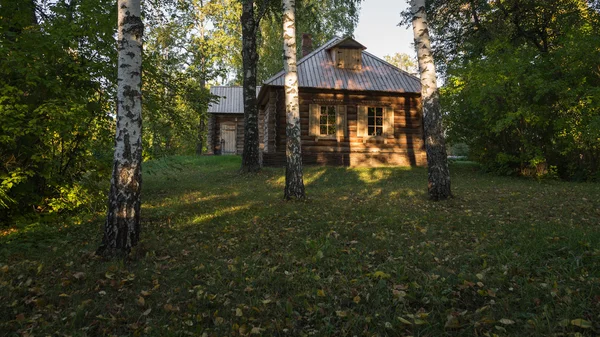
[355,110]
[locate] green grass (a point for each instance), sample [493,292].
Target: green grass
[367,255]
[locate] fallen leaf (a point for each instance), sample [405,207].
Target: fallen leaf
[452,322]
[381,275]
[141,302]
[405,321]
[256,330]
[340,313]
[506,321]
[582,323]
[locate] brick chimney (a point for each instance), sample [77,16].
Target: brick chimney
[307,46]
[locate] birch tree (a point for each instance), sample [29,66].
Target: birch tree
[122,226]
[250,25]
[438,174]
[294,184]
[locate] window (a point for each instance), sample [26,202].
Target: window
[375,121]
[327,121]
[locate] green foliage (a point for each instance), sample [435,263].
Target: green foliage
[522,83]
[403,61]
[366,254]
[54,103]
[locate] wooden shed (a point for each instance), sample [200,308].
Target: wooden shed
[226,121]
[355,110]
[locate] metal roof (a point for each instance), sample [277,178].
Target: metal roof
[231,99]
[316,70]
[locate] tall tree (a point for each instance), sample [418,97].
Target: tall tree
[122,227]
[250,24]
[294,183]
[402,61]
[438,173]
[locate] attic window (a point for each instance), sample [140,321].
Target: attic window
[347,58]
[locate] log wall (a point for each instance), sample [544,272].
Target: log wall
[405,148]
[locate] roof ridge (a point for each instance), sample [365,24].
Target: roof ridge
[304,58]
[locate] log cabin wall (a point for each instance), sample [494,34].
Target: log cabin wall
[402,145]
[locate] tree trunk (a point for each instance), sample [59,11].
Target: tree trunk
[294,183]
[122,227]
[435,147]
[200,141]
[250,154]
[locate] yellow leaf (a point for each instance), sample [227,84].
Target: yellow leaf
[340,313]
[399,293]
[420,321]
[321,293]
[506,321]
[452,322]
[256,330]
[141,302]
[381,275]
[238,312]
[63,295]
[582,323]
[356,299]
[145,293]
[109,275]
[404,320]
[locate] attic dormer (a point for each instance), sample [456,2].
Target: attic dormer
[347,54]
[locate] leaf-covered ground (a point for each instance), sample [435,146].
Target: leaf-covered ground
[366,255]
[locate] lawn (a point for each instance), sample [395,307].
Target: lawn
[367,255]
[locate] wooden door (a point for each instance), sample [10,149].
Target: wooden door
[228,139]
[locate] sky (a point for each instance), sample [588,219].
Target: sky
[378,28]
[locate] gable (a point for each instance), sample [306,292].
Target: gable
[317,70]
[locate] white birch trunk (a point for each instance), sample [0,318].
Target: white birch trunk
[122,227]
[435,147]
[294,183]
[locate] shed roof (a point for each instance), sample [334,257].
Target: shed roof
[231,99]
[316,70]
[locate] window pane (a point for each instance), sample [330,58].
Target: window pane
[371,130]
[323,130]
[323,110]
[379,121]
[379,131]
[331,110]
[380,112]
[323,120]
[371,120]
[331,130]
[371,111]
[331,119]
